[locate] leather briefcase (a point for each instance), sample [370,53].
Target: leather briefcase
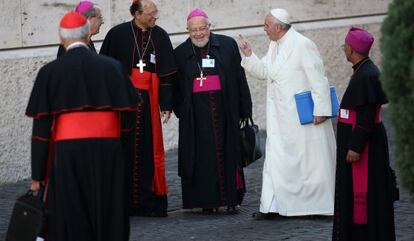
[27,221]
[250,142]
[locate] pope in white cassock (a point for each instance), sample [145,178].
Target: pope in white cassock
[299,170]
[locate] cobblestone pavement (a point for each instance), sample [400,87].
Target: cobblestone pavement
[192,225]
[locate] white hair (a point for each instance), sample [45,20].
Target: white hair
[75,33]
[91,12]
[284,26]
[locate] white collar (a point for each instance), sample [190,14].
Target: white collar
[283,39]
[76,44]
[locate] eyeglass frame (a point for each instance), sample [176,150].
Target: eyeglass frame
[200,29]
[154,14]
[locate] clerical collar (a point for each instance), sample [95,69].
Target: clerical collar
[205,50]
[139,28]
[76,45]
[357,65]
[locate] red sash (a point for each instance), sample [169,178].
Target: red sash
[150,82]
[359,170]
[79,125]
[87,124]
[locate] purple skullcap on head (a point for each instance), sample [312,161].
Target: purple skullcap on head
[83,7]
[359,39]
[197,12]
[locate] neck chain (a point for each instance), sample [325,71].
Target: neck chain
[136,42]
[208,56]
[202,77]
[359,66]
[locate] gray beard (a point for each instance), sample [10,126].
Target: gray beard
[199,44]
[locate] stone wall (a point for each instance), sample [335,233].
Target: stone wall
[28,40]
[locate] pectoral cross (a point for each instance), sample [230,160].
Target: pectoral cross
[141,66]
[201,78]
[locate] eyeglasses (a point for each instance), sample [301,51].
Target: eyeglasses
[97,16]
[153,14]
[343,47]
[200,29]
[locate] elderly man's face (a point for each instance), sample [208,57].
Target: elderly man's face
[199,30]
[348,51]
[271,28]
[95,22]
[149,14]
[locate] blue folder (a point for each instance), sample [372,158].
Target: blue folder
[304,105]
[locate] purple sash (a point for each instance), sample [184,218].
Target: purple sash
[210,83]
[359,172]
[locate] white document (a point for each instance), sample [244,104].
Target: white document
[344,113]
[208,63]
[152,59]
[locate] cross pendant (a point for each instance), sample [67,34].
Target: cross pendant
[141,66]
[201,78]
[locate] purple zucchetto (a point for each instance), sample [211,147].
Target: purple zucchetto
[83,7]
[197,12]
[359,40]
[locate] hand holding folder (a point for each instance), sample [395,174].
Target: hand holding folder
[305,105]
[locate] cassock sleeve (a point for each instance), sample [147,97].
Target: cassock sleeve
[364,124]
[166,70]
[177,100]
[255,66]
[40,146]
[245,98]
[166,61]
[166,92]
[108,47]
[312,64]
[178,96]
[105,47]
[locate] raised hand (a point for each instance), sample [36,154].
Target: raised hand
[244,46]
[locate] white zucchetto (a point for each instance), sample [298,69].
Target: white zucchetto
[281,14]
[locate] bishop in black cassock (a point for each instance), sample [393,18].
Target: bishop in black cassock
[212,97]
[75,104]
[93,13]
[146,53]
[365,183]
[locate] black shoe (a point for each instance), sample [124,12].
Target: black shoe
[209,210]
[232,210]
[260,216]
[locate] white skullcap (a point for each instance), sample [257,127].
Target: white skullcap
[281,14]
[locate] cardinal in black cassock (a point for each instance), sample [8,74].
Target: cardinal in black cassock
[365,183]
[212,97]
[75,104]
[146,53]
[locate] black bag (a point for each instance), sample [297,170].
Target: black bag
[250,142]
[28,218]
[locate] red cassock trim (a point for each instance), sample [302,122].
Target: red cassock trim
[150,82]
[81,108]
[88,124]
